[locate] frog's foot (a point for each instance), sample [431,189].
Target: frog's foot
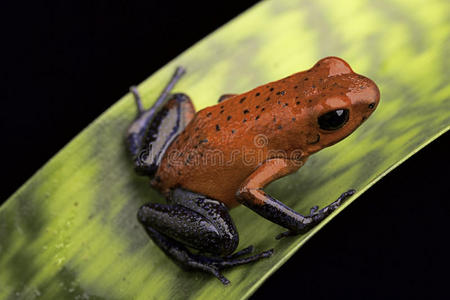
[316,216]
[212,265]
[179,72]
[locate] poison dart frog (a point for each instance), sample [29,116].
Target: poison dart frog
[210,161]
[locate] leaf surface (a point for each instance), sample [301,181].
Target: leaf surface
[71,231]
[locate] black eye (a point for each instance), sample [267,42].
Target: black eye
[334,119]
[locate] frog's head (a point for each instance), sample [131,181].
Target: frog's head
[344,100]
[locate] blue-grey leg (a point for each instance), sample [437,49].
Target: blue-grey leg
[137,130]
[279,213]
[150,135]
[196,221]
[167,124]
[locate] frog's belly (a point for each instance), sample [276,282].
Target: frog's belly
[217,182]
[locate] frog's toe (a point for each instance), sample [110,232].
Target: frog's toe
[213,270]
[313,209]
[242,252]
[234,261]
[333,206]
[286,234]
[214,265]
[344,196]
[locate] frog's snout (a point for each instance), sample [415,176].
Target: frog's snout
[373,96]
[365,97]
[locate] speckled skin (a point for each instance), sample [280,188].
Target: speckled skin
[284,111]
[209,162]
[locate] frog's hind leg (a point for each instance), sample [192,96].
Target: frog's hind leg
[154,129]
[196,221]
[138,128]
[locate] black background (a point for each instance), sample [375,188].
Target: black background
[66,62]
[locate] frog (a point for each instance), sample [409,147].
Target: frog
[207,162]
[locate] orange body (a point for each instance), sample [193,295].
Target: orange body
[224,144]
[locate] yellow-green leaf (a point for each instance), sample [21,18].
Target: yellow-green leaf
[71,230]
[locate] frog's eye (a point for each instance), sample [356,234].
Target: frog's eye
[334,119]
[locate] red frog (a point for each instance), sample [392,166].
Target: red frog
[208,162]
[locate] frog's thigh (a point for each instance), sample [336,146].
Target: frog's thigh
[193,220]
[167,124]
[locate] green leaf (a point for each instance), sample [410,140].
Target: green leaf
[71,231]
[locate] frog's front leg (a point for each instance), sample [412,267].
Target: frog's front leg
[202,223]
[251,194]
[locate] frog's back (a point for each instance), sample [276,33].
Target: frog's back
[225,143]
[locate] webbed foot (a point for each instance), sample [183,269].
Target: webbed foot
[214,265]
